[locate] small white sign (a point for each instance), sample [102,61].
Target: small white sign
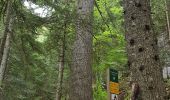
[114,97]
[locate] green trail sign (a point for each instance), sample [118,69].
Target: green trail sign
[113,75]
[112,83]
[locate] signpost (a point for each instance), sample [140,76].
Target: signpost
[112,84]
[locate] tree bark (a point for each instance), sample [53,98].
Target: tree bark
[7,36]
[7,21]
[168,8]
[167,17]
[61,67]
[2,45]
[81,70]
[122,95]
[143,58]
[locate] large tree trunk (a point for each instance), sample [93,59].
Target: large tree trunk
[61,67]
[81,71]
[6,45]
[143,58]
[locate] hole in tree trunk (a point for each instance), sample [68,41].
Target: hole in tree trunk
[156,57]
[150,87]
[146,38]
[147,27]
[144,10]
[141,49]
[138,4]
[141,68]
[156,41]
[129,64]
[132,17]
[132,42]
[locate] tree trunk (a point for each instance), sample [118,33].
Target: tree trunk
[143,58]
[2,45]
[81,70]
[6,30]
[167,17]
[7,36]
[61,67]
[168,8]
[121,96]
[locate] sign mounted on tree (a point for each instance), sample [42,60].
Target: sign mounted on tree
[113,81]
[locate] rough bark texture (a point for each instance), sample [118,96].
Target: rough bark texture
[122,95]
[81,70]
[61,67]
[6,30]
[7,35]
[142,50]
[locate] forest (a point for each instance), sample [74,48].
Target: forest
[66,49]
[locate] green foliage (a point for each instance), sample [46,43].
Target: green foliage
[33,61]
[158,12]
[99,92]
